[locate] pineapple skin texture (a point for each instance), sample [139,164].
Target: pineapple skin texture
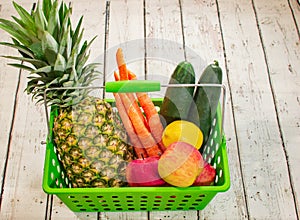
[92,144]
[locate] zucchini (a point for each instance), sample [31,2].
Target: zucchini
[206,100]
[175,105]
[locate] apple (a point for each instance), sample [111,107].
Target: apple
[144,172]
[180,164]
[206,177]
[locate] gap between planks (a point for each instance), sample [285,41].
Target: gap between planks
[10,134]
[232,107]
[273,95]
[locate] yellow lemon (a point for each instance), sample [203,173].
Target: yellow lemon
[184,131]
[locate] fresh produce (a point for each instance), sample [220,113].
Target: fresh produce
[91,142]
[206,177]
[130,110]
[121,65]
[152,116]
[51,50]
[149,136]
[89,138]
[180,164]
[144,172]
[134,140]
[184,131]
[142,131]
[206,100]
[175,105]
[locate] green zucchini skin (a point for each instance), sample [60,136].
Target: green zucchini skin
[175,105]
[206,100]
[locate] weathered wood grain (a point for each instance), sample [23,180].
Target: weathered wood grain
[202,34]
[23,171]
[164,39]
[93,22]
[264,168]
[165,49]
[9,78]
[295,11]
[126,31]
[123,215]
[23,197]
[261,59]
[59,211]
[281,39]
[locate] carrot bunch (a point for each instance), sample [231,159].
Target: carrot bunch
[144,130]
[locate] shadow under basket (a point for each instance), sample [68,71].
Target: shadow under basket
[140,198]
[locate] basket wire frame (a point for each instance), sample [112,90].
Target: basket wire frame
[222,86]
[140,198]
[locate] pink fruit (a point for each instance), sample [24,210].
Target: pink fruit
[143,172]
[206,177]
[180,164]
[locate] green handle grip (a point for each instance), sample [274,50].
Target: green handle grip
[132,86]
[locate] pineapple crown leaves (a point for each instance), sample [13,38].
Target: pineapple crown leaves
[51,51]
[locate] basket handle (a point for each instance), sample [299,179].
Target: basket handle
[132,86]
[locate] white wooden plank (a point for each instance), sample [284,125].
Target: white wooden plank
[94,26]
[23,197]
[281,39]
[93,14]
[165,49]
[126,30]
[203,36]
[263,160]
[123,215]
[295,9]
[164,40]
[59,211]
[8,85]
[242,112]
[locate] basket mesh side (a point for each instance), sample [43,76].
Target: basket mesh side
[139,198]
[57,177]
[213,149]
[137,201]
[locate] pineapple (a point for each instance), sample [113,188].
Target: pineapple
[91,142]
[89,137]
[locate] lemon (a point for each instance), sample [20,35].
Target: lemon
[184,131]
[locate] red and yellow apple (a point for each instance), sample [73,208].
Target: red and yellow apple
[144,172]
[180,164]
[206,177]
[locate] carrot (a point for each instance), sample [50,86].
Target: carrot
[134,103]
[138,122]
[121,65]
[117,77]
[137,145]
[151,113]
[131,75]
[141,130]
[135,115]
[134,140]
[152,116]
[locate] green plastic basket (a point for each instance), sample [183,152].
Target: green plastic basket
[139,198]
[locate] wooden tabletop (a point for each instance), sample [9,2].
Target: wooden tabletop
[257,45]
